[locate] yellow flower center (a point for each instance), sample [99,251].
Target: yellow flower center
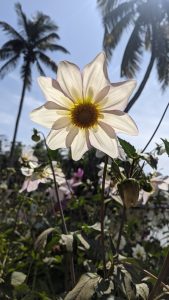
[84,115]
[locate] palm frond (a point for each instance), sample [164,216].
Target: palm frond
[111,39]
[40,26]
[43,21]
[162,57]
[6,53]
[22,19]
[53,47]
[47,39]
[114,16]
[132,54]
[10,30]
[40,69]
[148,37]
[9,65]
[106,5]
[15,45]
[47,61]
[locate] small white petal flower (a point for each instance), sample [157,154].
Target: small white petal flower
[157,183]
[27,171]
[139,252]
[27,156]
[85,110]
[33,179]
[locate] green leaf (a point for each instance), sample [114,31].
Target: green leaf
[128,148]
[152,161]
[166,144]
[17,278]
[85,288]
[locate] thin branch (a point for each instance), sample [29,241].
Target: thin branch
[121,229]
[102,212]
[158,125]
[149,274]
[161,277]
[72,271]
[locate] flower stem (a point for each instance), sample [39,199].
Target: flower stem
[65,231]
[57,194]
[102,212]
[161,277]
[158,125]
[121,229]
[149,274]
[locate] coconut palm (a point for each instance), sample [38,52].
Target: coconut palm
[34,38]
[148,22]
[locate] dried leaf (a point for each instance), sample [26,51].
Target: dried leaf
[85,288]
[67,241]
[41,241]
[142,290]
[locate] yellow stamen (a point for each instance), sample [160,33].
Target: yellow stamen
[85,115]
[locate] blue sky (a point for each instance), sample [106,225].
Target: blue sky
[81,32]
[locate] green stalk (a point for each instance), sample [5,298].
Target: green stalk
[102,213]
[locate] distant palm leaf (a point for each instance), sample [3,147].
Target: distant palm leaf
[145,20]
[34,38]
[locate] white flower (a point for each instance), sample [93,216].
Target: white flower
[85,110]
[42,176]
[122,241]
[28,157]
[27,171]
[139,252]
[157,183]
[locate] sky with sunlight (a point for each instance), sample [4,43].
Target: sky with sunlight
[81,32]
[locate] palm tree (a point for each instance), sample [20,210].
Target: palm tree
[35,37]
[148,21]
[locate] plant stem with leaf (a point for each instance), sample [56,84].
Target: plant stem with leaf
[123,217]
[72,271]
[161,277]
[102,213]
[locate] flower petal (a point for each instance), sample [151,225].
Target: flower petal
[44,117]
[102,141]
[118,95]
[121,122]
[70,79]
[53,92]
[71,135]
[95,76]
[80,144]
[61,122]
[56,139]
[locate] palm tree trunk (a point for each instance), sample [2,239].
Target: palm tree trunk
[11,156]
[143,83]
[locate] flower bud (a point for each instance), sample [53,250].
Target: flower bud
[35,138]
[129,192]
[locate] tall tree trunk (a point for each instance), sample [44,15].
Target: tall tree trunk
[143,83]
[11,156]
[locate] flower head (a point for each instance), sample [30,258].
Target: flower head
[157,183]
[139,252]
[34,178]
[85,110]
[28,158]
